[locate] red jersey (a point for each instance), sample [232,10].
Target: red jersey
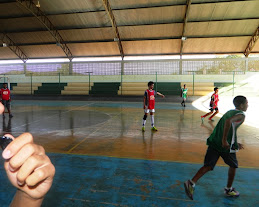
[5,93]
[150,98]
[214,100]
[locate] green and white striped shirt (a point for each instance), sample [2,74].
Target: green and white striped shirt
[215,139]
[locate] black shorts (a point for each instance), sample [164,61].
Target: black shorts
[213,155]
[6,103]
[212,109]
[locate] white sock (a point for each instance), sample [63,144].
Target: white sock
[193,183]
[144,122]
[152,120]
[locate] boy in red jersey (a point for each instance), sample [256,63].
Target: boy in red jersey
[149,105]
[6,99]
[213,105]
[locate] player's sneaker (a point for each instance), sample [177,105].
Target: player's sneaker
[143,129]
[231,192]
[202,118]
[189,189]
[154,129]
[210,119]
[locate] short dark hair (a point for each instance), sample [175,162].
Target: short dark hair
[238,100]
[150,83]
[4,83]
[216,88]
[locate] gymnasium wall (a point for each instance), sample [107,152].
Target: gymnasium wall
[127,78]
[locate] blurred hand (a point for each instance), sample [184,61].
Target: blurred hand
[28,167]
[1,107]
[240,146]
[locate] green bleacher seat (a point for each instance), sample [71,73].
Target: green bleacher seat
[50,89]
[105,89]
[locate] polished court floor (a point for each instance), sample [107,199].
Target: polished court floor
[103,158]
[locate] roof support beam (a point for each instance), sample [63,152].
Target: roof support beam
[188,5]
[114,26]
[29,5]
[252,42]
[10,43]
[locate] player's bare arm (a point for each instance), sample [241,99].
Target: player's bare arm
[228,123]
[144,102]
[160,94]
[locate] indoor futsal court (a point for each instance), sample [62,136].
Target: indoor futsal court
[73,73]
[103,159]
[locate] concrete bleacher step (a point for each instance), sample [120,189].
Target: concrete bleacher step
[15,88]
[77,89]
[25,88]
[79,84]
[133,88]
[200,89]
[131,93]
[23,92]
[28,84]
[74,92]
[209,89]
[134,84]
[190,84]
[68,88]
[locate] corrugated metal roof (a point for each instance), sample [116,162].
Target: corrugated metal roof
[156,47]
[156,15]
[224,11]
[216,45]
[95,49]
[13,10]
[44,51]
[32,37]
[118,4]
[146,27]
[91,19]
[70,6]
[6,53]
[222,28]
[151,31]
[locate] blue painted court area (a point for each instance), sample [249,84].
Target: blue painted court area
[97,181]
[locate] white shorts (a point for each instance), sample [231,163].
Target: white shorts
[149,110]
